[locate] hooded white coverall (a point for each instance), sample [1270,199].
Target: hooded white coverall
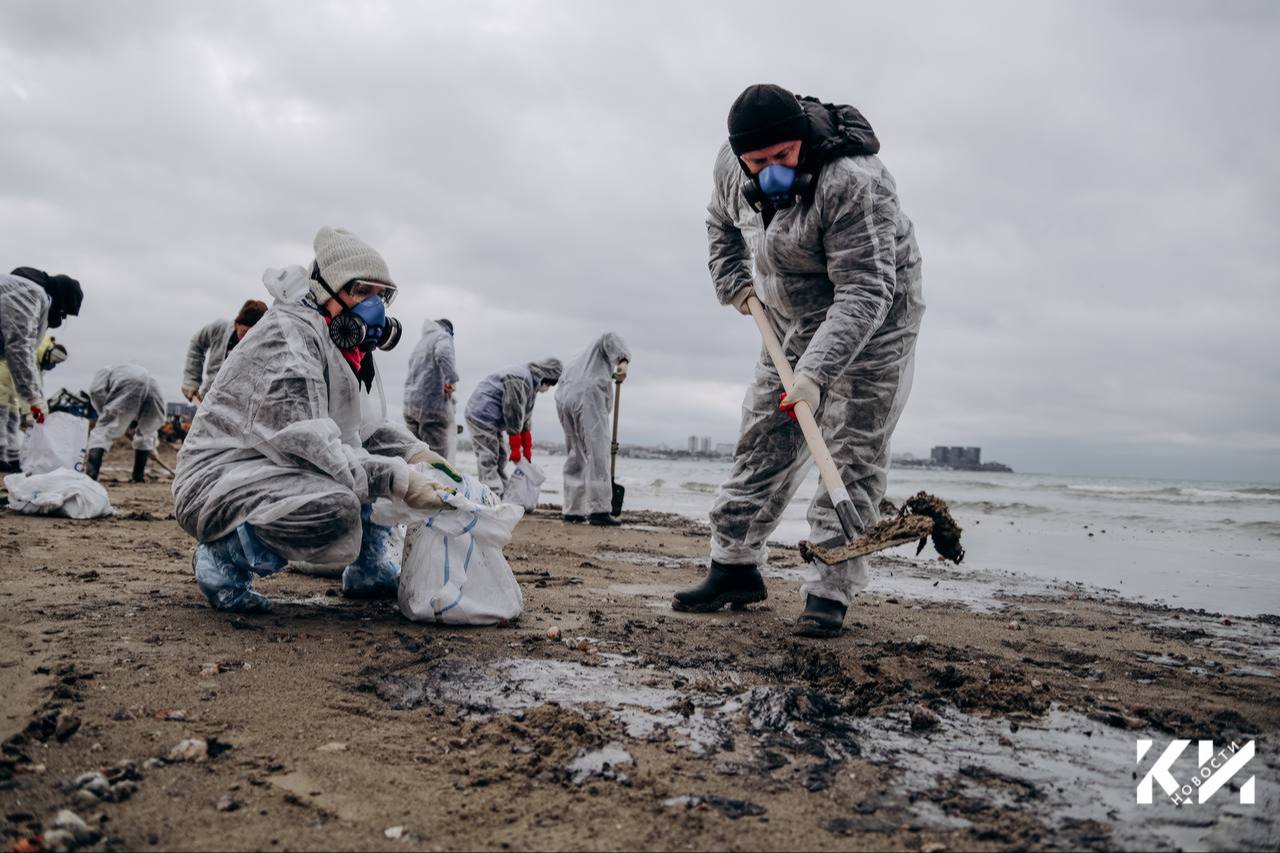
[289,441]
[503,403]
[584,400]
[206,353]
[428,410]
[123,394]
[839,277]
[24,318]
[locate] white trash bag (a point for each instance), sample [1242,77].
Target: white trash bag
[525,486]
[61,492]
[59,442]
[453,570]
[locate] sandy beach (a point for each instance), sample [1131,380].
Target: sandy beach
[1008,722]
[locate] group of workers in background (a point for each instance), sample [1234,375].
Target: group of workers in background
[127,395]
[291,443]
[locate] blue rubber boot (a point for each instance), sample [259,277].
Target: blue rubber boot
[374,574]
[225,568]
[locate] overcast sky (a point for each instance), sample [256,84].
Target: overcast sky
[1095,189]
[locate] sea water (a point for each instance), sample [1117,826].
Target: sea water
[1193,544]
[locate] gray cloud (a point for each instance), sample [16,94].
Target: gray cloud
[1094,191]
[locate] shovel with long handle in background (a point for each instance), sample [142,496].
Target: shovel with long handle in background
[155,457]
[922,517]
[619,493]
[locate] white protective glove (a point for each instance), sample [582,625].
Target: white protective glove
[739,300]
[620,374]
[425,455]
[423,492]
[804,389]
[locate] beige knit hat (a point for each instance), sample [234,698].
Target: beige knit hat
[341,257]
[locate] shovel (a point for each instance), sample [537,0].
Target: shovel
[808,425]
[922,517]
[155,457]
[619,493]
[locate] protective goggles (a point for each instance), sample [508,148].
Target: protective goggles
[362,289]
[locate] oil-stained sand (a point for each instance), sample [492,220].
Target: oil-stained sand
[334,724]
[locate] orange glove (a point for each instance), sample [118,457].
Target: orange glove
[526,443]
[514,441]
[37,414]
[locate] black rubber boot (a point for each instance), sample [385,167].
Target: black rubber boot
[93,462]
[574,519]
[602,519]
[737,584]
[140,458]
[822,617]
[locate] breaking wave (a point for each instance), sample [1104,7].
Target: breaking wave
[999,508]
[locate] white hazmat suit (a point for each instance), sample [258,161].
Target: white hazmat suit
[584,400]
[839,277]
[428,410]
[288,441]
[503,404]
[124,394]
[24,309]
[205,354]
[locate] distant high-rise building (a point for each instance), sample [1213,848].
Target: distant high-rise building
[693,444]
[960,456]
[705,445]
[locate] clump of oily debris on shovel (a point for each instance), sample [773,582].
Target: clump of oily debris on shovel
[921,518]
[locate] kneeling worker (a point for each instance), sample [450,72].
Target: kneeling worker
[280,464]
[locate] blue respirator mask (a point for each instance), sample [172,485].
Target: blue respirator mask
[365,325]
[778,186]
[776,183]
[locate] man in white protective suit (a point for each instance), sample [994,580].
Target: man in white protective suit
[503,404]
[31,302]
[429,408]
[805,217]
[292,443]
[124,394]
[210,345]
[583,402]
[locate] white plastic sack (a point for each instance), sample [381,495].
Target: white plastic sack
[59,442]
[453,569]
[525,486]
[60,492]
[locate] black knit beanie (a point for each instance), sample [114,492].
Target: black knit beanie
[764,115]
[64,292]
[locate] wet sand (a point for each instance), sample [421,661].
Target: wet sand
[996,721]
